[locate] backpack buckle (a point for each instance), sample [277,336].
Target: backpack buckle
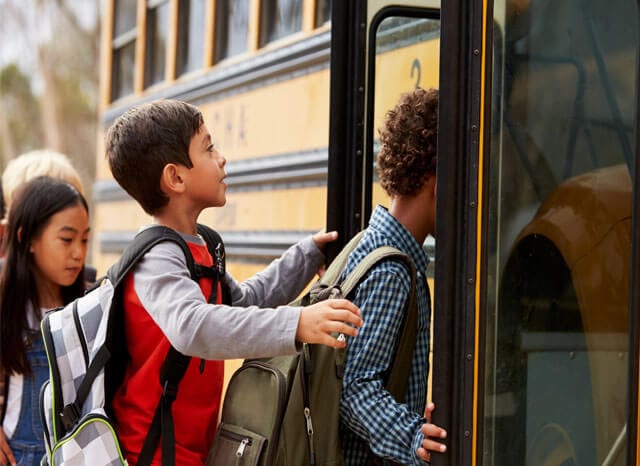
[69,416]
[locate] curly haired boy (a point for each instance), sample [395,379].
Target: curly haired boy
[372,422]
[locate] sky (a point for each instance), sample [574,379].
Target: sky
[18,42]
[20,33]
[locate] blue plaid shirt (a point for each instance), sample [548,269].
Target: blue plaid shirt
[369,416]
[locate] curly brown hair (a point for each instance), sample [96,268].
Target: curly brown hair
[408,143]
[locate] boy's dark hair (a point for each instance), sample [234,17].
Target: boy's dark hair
[408,143]
[35,203]
[146,138]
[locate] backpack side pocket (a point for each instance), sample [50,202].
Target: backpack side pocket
[237,446]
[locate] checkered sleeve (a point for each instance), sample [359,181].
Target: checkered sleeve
[366,407]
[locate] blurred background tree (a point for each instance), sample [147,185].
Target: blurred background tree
[49,71]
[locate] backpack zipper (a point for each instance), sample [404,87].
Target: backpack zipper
[83,343]
[243,439]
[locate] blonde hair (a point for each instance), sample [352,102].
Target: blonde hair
[37,163]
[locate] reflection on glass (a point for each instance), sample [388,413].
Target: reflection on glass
[122,69]
[323,11]
[124,14]
[190,36]
[407,51]
[156,49]
[279,18]
[232,28]
[557,285]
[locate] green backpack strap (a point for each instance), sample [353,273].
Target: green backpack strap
[401,368]
[335,269]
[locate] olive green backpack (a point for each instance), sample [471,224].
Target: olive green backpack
[283,411]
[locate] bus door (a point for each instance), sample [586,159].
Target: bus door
[539,350]
[536,285]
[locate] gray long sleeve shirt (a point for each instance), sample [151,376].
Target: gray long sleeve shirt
[251,327]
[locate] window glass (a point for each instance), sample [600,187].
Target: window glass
[123,48]
[124,16]
[232,28]
[279,18]
[190,36]
[323,11]
[122,71]
[559,232]
[156,41]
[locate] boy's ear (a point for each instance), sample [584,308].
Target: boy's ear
[171,179]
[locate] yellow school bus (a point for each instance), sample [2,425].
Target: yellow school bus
[537,243]
[536,286]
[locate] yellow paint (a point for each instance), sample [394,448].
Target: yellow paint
[209,36]
[293,209]
[141,25]
[286,117]
[106,55]
[481,126]
[394,75]
[172,43]
[121,216]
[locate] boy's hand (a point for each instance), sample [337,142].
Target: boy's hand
[322,238]
[319,320]
[6,455]
[429,431]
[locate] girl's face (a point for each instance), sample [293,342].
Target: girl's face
[60,250]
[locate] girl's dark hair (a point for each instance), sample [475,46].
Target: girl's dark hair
[35,203]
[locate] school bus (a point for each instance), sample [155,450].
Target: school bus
[536,274]
[535,284]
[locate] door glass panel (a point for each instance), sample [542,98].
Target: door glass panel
[407,52]
[559,232]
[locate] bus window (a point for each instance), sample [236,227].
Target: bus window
[323,12]
[232,28]
[156,41]
[562,144]
[279,18]
[123,48]
[191,22]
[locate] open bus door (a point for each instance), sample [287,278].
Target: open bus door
[536,274]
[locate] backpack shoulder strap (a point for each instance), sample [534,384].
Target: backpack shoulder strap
[335,269]
[141,244]
[401,367]
[216,249]
[175,364]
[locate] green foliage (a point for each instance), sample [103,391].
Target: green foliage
[21,110]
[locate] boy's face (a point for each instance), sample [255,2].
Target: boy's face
[206,178]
